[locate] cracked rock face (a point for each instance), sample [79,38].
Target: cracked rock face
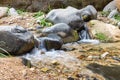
[45,5]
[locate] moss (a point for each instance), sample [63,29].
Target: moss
[75,34]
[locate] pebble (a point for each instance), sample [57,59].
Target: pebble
[104,55]
[24,72]
[32,69]
[93,57]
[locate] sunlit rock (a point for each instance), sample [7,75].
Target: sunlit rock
[103,31]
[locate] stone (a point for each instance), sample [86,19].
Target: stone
[47,43]
[73,17]
[15,40]
[13,12]
[103,56]
[62,30]
[111,6]
[46,5]
[104,31]
[3,11]
[113,13]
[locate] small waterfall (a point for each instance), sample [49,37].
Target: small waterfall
[86,37]
[40,54]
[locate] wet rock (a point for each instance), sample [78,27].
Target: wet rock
[73,17]
[111,6]
[3,11]
[13,12]
[15,40]
[103,31]
[50,43]
[63,31]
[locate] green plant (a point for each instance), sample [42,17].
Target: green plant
[102,37]
[41,19]
[38,14]
[117,17]
[105,13]
[21,11]
[3,55]
[45,23]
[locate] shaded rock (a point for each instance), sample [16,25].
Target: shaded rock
[45,5]
[104,31]
[72,16]
[111,6]
[15,40]
[64,31]
[3,11]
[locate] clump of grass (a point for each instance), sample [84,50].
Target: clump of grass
[7,54]
[40,16]
[20,11]
[117,17]
[102,37]
[45,23]
[105,13]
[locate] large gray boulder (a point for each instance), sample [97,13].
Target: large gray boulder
[71,14]
[45,5]
[15,40]
[63,30]
[75,18]
[111,6]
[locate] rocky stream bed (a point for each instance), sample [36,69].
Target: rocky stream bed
[97,59]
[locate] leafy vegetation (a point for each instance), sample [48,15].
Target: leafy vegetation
[21,11]
[117,17]
[102,37]
[105,13]
[41,19]
[38,14]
